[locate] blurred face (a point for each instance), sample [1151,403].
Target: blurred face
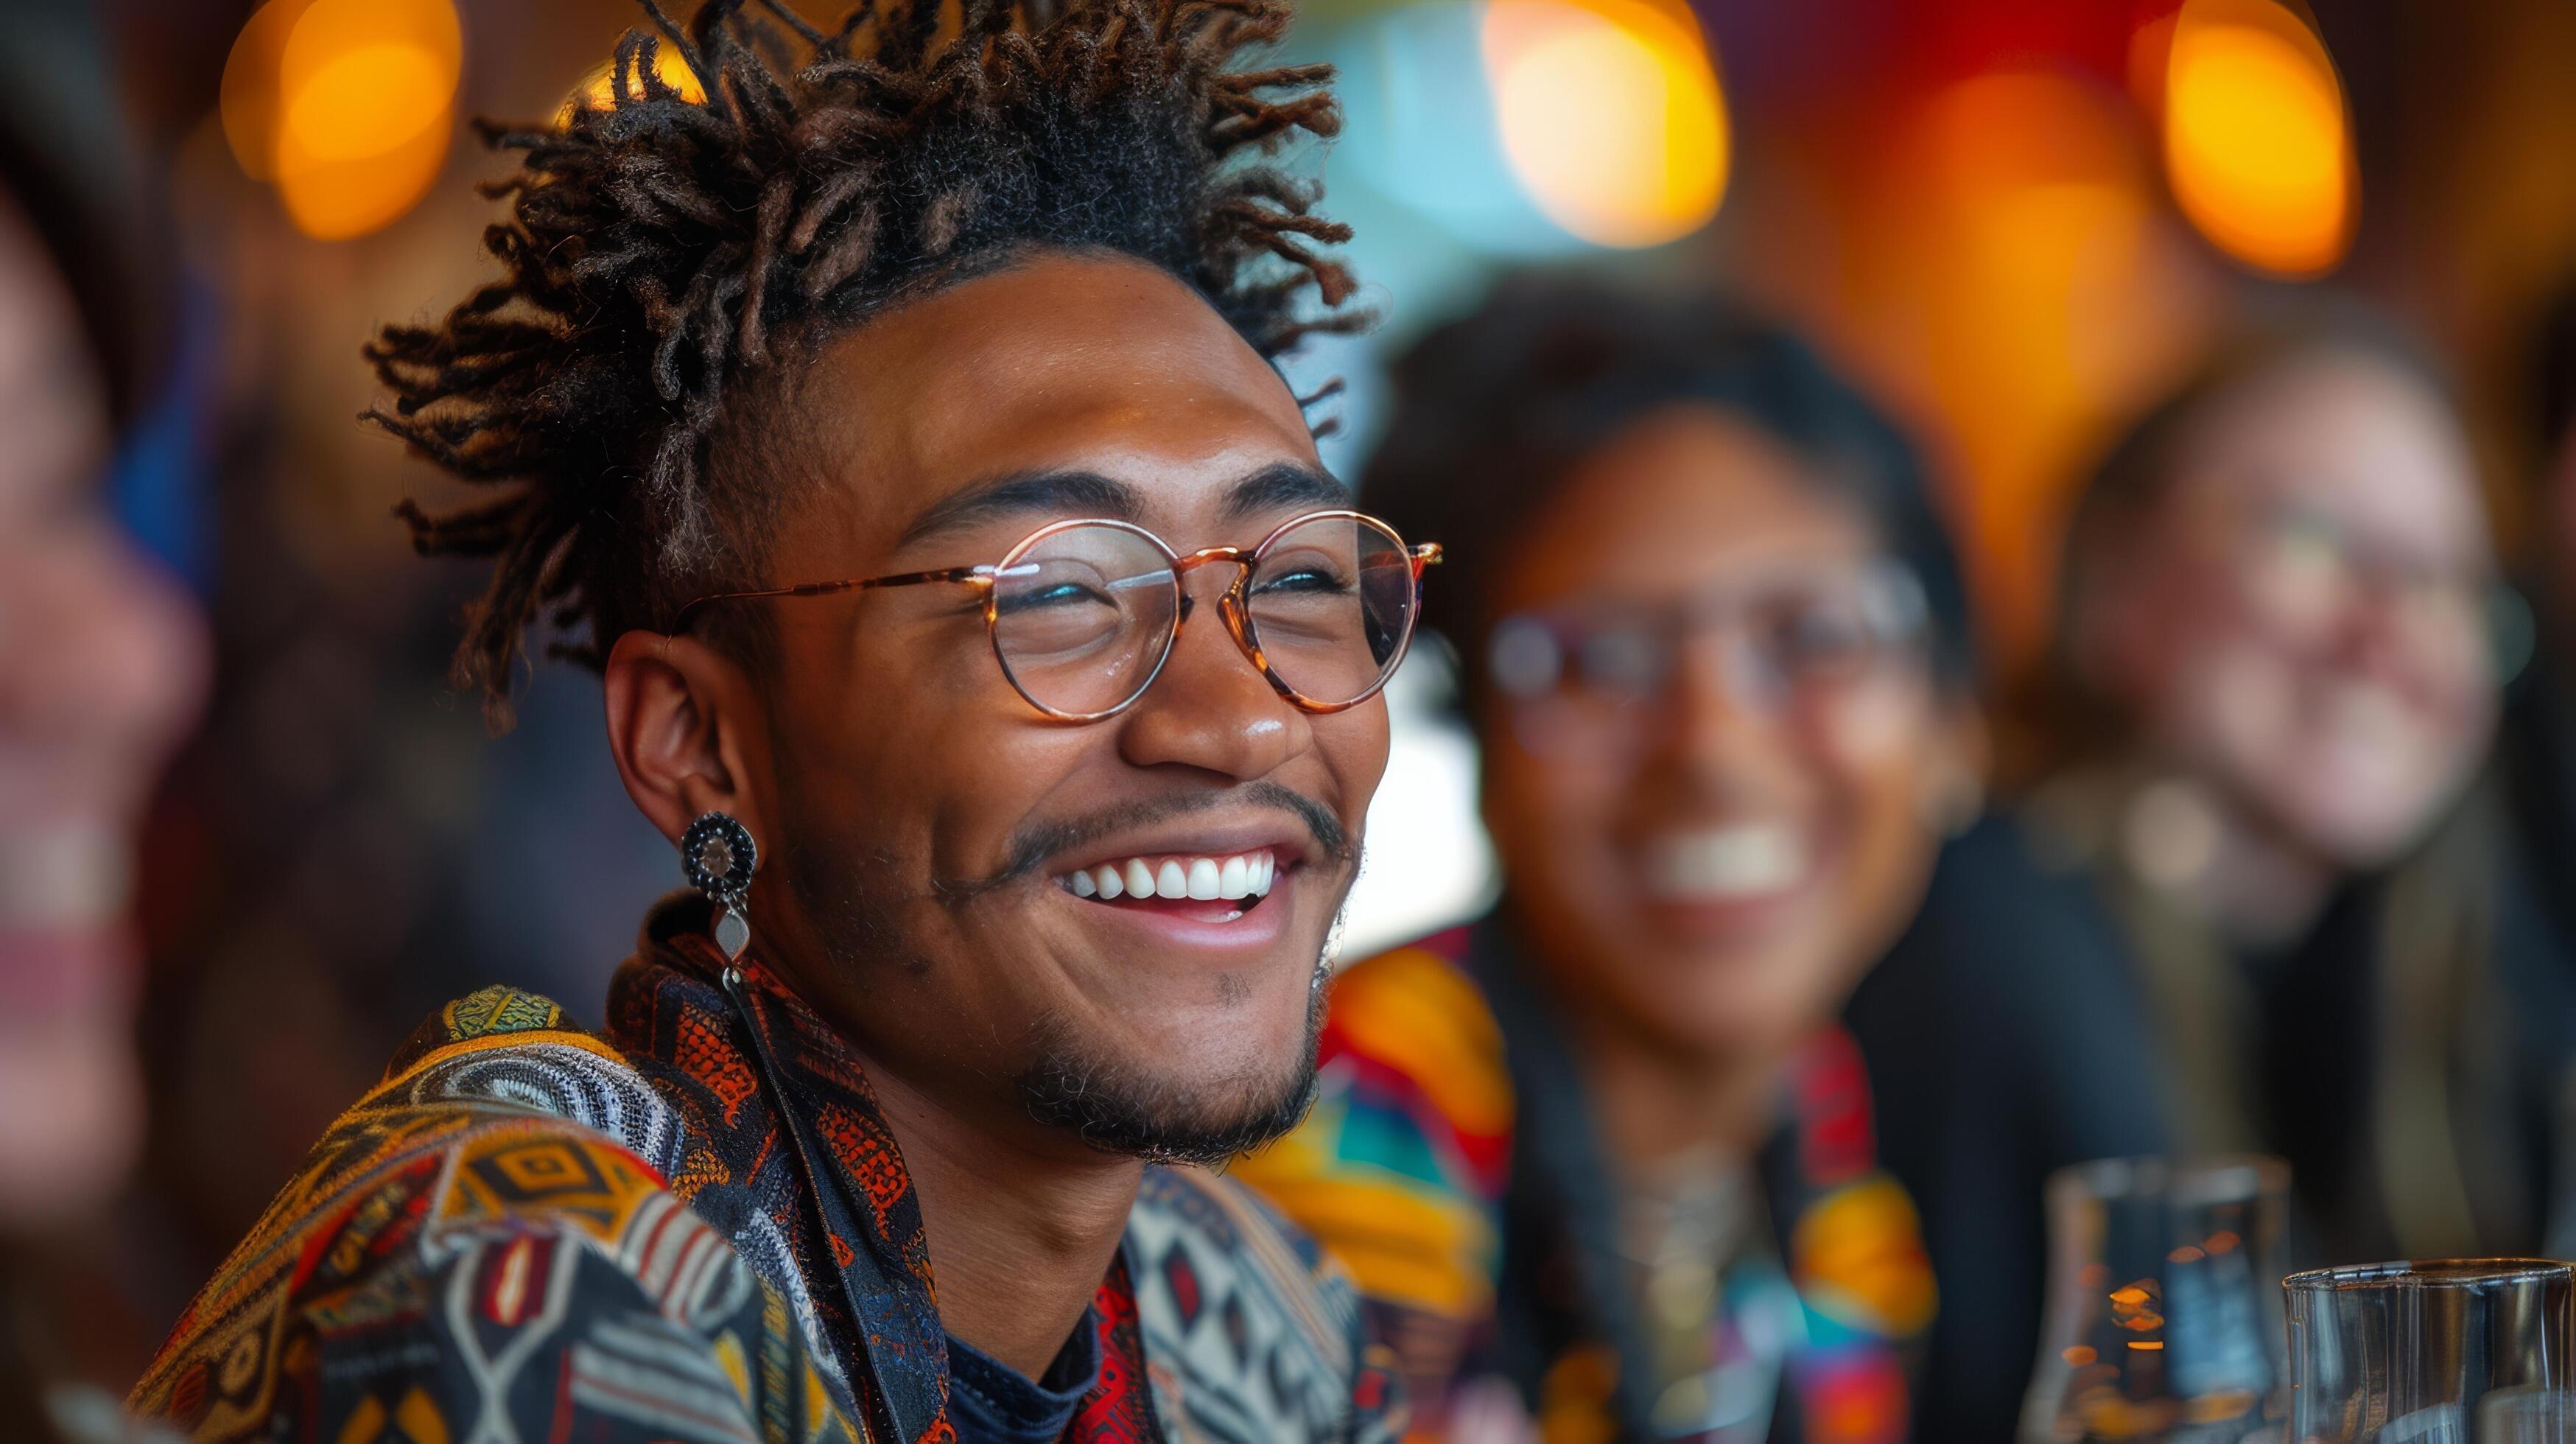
[2305,621]
[950,850]
[1714,747]
[100,666]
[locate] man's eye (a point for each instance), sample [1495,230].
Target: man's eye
[1302,579]
[1052,594]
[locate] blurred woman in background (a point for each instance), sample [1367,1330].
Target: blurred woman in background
[101,665]
[2259,907]
[2281,625]
[1604,1162]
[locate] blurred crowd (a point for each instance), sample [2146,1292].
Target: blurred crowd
[1825,931]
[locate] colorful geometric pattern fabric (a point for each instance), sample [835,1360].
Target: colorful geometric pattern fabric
[1449,1163]
[697,1228]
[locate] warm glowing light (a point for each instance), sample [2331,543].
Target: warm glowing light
[2079,1355]
[366,102]
[346,105]
[249,97]
[597,90]
[2257,144]
[334,200]
[1610,114]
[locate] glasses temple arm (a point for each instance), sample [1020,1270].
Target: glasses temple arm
[982,574]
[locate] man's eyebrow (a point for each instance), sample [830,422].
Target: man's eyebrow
[1283,484]
[1066,493]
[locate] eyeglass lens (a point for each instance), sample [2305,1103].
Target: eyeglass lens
[1783,645]
[1084,616]
[1330,603]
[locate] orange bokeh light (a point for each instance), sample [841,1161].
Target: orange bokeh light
[346,105]
[1610,114]
[2258,147]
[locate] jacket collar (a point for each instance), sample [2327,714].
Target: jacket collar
[796,1136]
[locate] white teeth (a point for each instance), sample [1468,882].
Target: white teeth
[1723,863]
[1234,876]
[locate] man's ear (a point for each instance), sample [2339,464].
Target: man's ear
[683,725]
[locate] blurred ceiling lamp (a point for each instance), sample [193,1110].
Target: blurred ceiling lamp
[2258,147]
[1610,114]
[597,90]
[346,105]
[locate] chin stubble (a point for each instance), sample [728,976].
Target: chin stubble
[1111,1107]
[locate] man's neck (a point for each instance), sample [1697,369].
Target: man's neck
[1020,1237]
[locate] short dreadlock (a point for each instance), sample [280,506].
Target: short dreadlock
[662,252]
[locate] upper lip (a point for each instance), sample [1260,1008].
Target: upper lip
[1287,838]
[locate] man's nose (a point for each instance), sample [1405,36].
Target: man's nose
[1211,709]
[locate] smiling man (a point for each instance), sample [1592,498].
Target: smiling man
[898,434]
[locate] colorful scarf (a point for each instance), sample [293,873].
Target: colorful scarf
[1452,1162]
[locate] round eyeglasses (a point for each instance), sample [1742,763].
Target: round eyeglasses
[1083,614]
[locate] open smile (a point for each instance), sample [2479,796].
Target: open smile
[1217,888]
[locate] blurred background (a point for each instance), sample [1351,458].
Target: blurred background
[2015,219]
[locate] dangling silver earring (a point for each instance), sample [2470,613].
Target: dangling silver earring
[719,857]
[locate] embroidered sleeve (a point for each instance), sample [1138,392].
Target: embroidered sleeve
[1400,1168]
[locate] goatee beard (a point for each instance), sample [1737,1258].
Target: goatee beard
[1109,1108]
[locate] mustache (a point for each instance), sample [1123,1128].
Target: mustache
[1031,846]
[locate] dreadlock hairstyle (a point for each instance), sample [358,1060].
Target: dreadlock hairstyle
[665,253]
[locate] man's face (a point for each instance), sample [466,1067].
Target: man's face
[929,820]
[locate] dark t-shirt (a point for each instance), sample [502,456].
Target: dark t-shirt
[2004,1040]
[989,1402]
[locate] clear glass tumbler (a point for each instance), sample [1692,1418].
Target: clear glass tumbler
[2163,1322]
[2467,1351]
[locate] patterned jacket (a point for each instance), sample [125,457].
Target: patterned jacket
[1452,1163]
[697,1228]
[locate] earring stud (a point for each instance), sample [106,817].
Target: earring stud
[719,857]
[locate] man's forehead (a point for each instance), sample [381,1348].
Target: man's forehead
[1058,367]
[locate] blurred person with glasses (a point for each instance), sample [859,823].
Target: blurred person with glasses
[1604,1161]
[896,429]
[103,663]
[2254,902]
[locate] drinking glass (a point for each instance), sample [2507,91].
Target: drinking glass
[2463,1351]
[2162,1320]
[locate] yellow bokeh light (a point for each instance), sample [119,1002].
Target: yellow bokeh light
[1610,114]
[346,105]
[597,90]
[2258,147]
